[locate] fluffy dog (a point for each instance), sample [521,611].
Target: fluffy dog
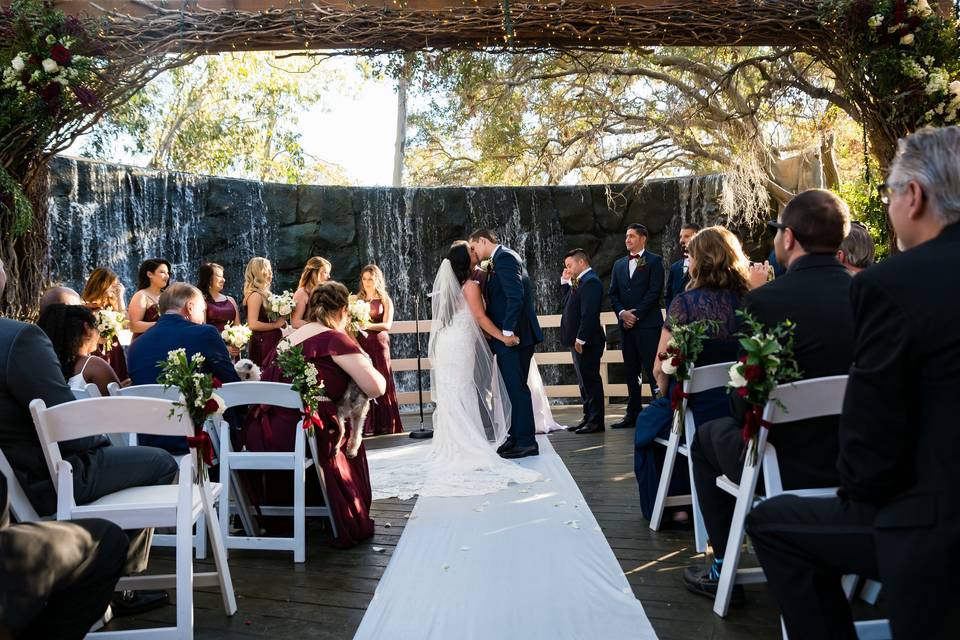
[247,370]
[354,405]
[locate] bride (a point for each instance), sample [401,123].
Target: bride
[472,408]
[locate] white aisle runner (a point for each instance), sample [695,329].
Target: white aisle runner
[529,562]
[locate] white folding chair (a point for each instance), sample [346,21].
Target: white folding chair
[802,400]
[177,505]
[274,394]
[170,394]
[20,505]
[89,390]
[701,379]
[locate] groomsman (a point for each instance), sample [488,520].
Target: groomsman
[635,288]
[581,332]
[679,274]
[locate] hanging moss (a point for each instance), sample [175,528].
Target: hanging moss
[14,203]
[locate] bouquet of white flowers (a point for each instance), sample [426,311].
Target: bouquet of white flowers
[109,324]
[359,311]
[280,305]
[236,335]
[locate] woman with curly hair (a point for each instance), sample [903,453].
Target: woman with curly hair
[73,331]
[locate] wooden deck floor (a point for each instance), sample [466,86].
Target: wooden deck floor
[327,596]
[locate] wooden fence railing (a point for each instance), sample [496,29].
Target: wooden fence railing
[547,358]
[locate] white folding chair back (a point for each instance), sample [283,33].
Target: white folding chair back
[814,398]
[89,390]
[20,505]
[279,395]
[177,505]
[701,379]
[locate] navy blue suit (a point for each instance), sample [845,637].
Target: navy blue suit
[677,280]
[581,321]
[173,331]
[640,294]
[510,306]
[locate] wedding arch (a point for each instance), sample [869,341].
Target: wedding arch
[65,63]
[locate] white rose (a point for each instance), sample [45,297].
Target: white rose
[667,367]
[50,66]
[737,380]
[955,87]
[221,405]
[51,39]
[283,346]
[923,8]
[907,39]
[17,63]
[875,21]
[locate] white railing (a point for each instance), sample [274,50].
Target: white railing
[547,358]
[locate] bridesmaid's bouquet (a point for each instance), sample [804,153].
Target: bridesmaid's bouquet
[768,361]
[359,311]
[197,400]
[236,335]
[279,305]
[109,324]
[305,380]
[682,352]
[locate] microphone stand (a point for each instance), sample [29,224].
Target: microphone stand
[421,433]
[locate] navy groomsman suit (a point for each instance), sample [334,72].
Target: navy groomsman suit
[638,292]
[677,280]
[580,322]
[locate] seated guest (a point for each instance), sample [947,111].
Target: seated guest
[181,325]
[815,294]
[104,292]
[856,250]
[56,578]
[29,369]
[896,517]
[338,360]
[59,295]
[679,274]
[719,279]
[72,330]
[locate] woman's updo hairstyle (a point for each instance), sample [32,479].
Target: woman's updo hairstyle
[326,302]
[459,257]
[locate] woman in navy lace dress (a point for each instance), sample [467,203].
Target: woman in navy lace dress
[719,277]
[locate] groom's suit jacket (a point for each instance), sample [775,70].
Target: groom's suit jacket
[510,298]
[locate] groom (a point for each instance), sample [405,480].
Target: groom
[510,307]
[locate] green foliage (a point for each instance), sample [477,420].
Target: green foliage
[865,206]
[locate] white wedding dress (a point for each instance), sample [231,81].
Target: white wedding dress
[470,419]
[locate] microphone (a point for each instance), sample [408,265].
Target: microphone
[422,433]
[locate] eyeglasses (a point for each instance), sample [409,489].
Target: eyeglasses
[779,226]
[885,188]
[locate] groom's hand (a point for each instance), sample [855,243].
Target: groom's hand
[511,341]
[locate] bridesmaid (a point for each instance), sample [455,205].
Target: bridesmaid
[338,359]
[144,308]
[315,272]
[384,416]
[104,291]
[221,308]
[256,291]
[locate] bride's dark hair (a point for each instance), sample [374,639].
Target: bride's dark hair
[459,257]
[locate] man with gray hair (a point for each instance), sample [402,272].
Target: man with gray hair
[182,325]
[857,250]
[896,516]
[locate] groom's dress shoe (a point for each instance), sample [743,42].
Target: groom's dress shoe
[507,445]
[578,426]
[590,428]
[521,452]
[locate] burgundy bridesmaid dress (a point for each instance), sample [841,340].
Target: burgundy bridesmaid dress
[220,313]
[384,416]
[152,314]
[274,428]
[262,343]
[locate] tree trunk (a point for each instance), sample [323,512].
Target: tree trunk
[25,257]
[400,146]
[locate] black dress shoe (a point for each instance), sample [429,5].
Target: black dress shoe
[521,452]
[507,445]
[697,580]
[626,423]
[130,603]
[579,425]
[590,428]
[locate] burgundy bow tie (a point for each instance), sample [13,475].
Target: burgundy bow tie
[634,256]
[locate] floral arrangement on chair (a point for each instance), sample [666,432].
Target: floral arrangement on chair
[109,324]
[305,380]
[682,352]
[197,400]
[768,361]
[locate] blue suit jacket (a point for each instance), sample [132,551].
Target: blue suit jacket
[176,332]
[676,282]
[581,312]
[510,298]
[641,293]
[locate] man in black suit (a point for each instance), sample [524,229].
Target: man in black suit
[679,274]
[896,517]
[814,293]
[580,331]
[635,288]
[29,369]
